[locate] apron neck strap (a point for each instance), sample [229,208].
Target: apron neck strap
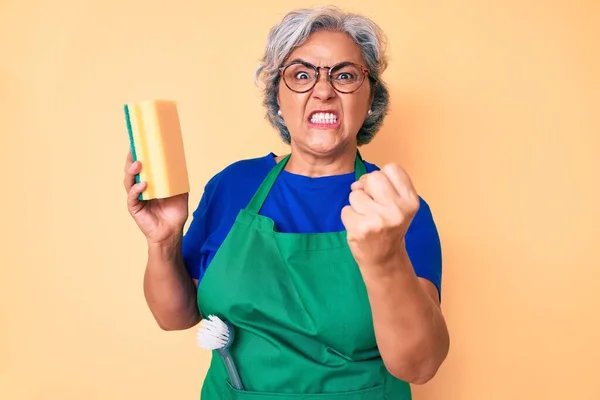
[261,194]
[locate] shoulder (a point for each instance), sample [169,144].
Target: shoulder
[224,194]
[248,167]
[240,175]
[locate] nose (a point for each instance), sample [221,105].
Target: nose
[323,89]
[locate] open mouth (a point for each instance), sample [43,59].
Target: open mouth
[325,118]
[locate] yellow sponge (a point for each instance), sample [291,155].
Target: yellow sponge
[156,141]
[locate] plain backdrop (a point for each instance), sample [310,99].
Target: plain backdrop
[495,115]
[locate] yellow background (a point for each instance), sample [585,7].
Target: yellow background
[495,115]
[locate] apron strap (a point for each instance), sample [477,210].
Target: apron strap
[261,194]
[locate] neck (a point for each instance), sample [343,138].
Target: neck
[316,165]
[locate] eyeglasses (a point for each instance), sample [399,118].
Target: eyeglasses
[345,77]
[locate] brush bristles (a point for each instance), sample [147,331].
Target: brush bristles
[213,333]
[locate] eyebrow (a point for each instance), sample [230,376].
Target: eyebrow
[307,62]
[298,60]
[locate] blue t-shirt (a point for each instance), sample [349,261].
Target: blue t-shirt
[297,204]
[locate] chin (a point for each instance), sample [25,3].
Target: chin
[323,141]
[325,145]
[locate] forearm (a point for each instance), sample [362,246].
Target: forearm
[409,326]
[170,292]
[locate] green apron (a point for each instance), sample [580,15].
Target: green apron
[302,318]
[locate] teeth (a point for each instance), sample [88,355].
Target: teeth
[323,118]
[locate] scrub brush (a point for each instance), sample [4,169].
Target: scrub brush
[215,334]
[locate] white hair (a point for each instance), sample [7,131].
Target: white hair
[294,30]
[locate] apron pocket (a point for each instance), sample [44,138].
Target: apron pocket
[374,393]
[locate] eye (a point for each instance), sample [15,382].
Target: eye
[345,76]
[302,75]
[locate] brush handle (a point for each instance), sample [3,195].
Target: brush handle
[236,382]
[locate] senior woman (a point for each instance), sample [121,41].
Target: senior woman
[327,266]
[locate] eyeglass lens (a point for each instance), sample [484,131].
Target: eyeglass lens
[345,77]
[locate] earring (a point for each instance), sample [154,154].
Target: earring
[369,112]
[279,112]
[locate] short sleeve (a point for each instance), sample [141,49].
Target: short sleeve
[424,247]
[196,235]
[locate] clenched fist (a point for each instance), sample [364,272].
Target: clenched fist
[382,206]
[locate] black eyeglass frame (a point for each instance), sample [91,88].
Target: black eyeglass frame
[363,69]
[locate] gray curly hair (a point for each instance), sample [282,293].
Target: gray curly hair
[294,29]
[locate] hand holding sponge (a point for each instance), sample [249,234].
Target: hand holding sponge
[156,141]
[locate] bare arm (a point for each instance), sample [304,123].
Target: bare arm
[170,292]
[411,331]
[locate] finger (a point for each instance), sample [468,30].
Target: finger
[360,182]
[130,173]
[361,202]
[358,185]
[398,177]
[133,202]
[401,182]
[357,226]
[379,187]
[349,217]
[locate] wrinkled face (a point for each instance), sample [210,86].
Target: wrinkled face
[322,120]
